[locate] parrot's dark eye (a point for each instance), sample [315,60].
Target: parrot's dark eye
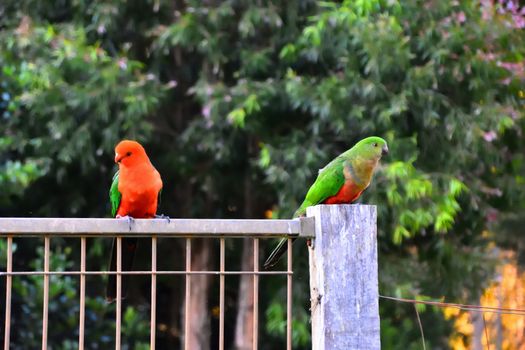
[128,154]
[375,144]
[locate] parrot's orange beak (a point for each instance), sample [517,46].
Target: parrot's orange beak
[384,150]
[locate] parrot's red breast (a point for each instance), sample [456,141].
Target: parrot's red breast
[134,193]
[348,193]
[139,182]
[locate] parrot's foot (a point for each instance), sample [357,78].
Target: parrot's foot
[162,216]
[310,242]
[128,218]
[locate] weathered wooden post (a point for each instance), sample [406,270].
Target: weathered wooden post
[343,278]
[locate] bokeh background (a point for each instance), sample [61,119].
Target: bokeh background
[238,104]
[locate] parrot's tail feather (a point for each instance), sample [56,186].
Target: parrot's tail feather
[129,246]
[301,211]
[277,253]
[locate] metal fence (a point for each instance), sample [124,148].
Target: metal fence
[188,229]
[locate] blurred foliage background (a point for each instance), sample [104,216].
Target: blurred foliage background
[239,103]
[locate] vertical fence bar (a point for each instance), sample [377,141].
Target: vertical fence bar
[221,293]
[187,297]
[289,298]
[118,316]
[8,283]
[45,299]
[153,322]
[255,331]
[82,293]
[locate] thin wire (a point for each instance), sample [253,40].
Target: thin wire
[465,307]
[420,328]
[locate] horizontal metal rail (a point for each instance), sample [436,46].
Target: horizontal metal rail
[76,227]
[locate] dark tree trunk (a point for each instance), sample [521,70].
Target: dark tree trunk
[244,321]
[199,316]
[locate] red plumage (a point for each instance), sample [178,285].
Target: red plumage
[139,186]
[348,193]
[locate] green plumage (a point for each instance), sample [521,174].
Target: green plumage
[358,163]
[114,195]
[327,184]
[341,181]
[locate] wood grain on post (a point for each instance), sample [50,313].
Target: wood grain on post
[343,278]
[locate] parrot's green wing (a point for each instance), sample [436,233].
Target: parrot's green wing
[114,195]
[329,181]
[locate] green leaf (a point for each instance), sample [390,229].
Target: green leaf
[264,156]
[400,233]
[456,187]
[236,117]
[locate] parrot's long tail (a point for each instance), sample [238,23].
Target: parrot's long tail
[129,246]
[277,253]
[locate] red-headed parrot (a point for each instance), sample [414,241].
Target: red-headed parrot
[134,193]
[341,181]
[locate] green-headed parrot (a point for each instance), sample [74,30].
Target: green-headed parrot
[341,181]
